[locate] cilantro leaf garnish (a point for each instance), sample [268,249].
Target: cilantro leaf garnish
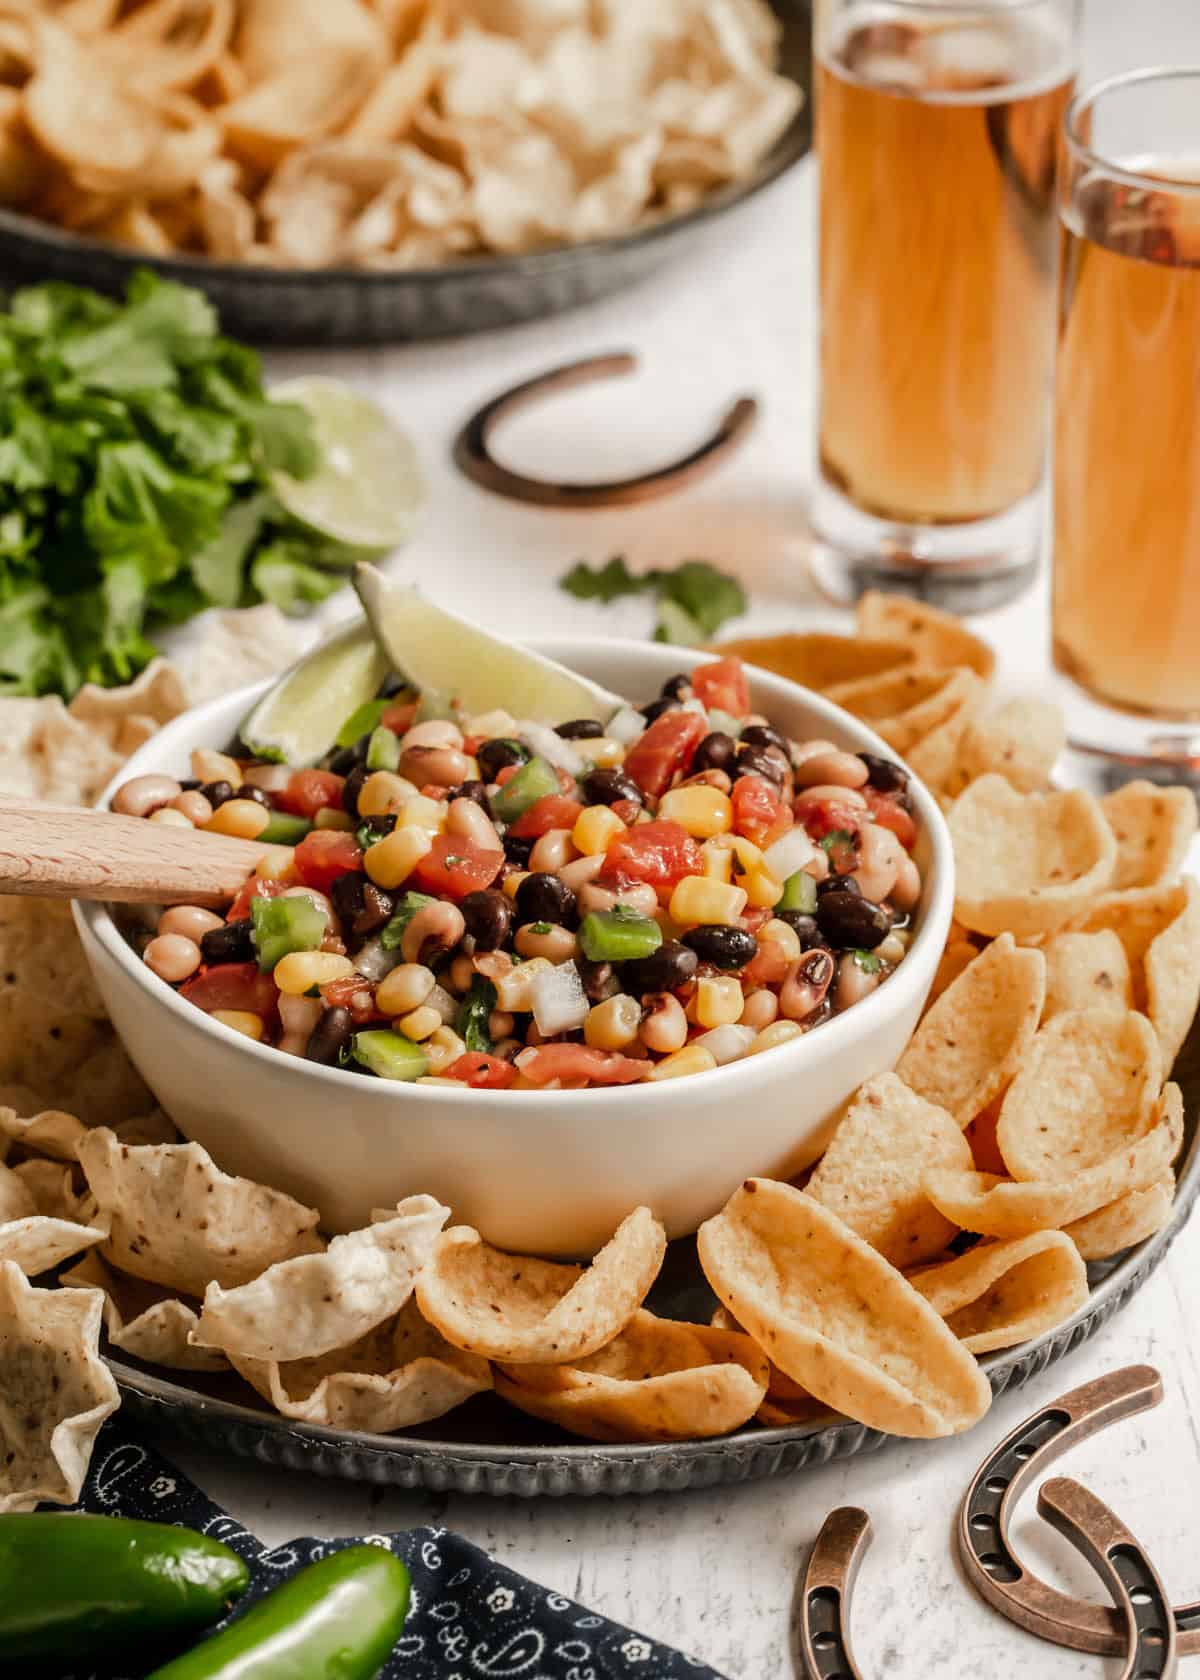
[694,598]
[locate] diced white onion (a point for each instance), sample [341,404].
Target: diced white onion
[792,851]
[373,962]
[625,726]
[550,746]
[724,722]
[446,1006]
[728,1043]
[559,1001]
[697,706]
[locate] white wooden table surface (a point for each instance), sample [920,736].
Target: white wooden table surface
[713,1572]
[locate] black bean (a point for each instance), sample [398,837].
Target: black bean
[474,791]
[762,735]
[346,895]
[343,761]
[656,708]
[678,687]
[671,966]
[804,927]
[716,752]
[489,917]
[542,897]
[599,979]
[517,849]
[377,909]
[381,825]
[722,946]
[851,922]
[497,754]
[330,1036]
[838,883]
[580,729]
[884,774]
[190,785]
[232,943]
[392,684]
[352,787]
[256,794]
[217,792]
[760,761]
[606,787]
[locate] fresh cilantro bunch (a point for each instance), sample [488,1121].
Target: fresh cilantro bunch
[694,598]
[136,453]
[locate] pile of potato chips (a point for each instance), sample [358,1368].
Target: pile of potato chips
[1029,1127]
[379,133]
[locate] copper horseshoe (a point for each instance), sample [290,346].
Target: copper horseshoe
[983,1519]
[472,447]
[822,1612]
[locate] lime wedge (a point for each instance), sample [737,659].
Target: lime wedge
[298,718]
[369,488]
[436,649]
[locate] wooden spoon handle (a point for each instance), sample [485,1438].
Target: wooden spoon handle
[63,851]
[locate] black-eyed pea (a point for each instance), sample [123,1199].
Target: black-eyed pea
[906,888]
[835,769]
[551,851]
[189,921]
[144,794]
[194,806]
[172,957]
[169,817]
[664,1027]
[854,982]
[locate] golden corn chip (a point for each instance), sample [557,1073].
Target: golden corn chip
[144,1320]
[1153,828]
[34,1240]
[971,1041]
[871,1173]
[179,1221]
[835,1316]
[537,1312]
[1020,741]
[935,638]
[657,1380]
[981,1135]
[997,1207]
[399,1374]
[958,955]
[1132,1218]
[903,705]
[1086,971]
[1160,930]
[1003,1293]
[780,1386]
[51,1133]
[307,1306]
[934,756]
[1027,863]
[55,1193]
[815,659]
[1086,1088]
[57,1390]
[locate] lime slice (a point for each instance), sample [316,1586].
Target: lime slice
[369,488]
[436,649]
[298,718]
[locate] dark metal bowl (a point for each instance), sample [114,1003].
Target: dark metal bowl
[332,306]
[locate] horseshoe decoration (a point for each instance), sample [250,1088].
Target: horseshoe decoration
[983,1520]
[822,1614]
[472,447]
[1102,1538]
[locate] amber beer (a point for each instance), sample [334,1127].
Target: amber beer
[937,265]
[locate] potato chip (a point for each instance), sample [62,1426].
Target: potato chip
[1153,828]
[143,1319]
[1132,1218]
[970,1043]
[1002,1293]
[1027,863]
[305,1307]
[57,1390]
[1086,1088]
[399,1374]
[657,1380]
[50,1133]
[835,1316]
[997,1207]
[815,659]
[1021,741]
[179,1221]
[1086,971]
[870,1175]
[933,637]
[535,1311]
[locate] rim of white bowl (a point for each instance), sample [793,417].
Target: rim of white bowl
[788,1058]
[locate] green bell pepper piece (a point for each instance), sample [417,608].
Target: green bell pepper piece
[472,1022]
[618,935]
[383,749]
[339,1619]
[799,893]
[407,908]
[389,1054]
[533,781]
[362,721]
[283,925]
[284,830]
[74,1587]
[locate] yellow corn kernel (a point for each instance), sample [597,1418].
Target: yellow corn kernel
[382,792]
[404,989]
[210,766]
[594,828]
[390,861]
[762,888]
[275,862]
[601,752]
[697,900]
[489,725]
[693,1058]
[781,933]
[244,818]
[719,1000]
[170,818]
[702,811]
[514,990]
[421,1023]
[442,1047]
[511,882]
[746,852]
[779,1032]
[422,812]
[300,971]
[241,1020]
[717,861]
[613,1024]
[330,817]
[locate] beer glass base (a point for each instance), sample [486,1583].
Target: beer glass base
[1107,748]
[963,568]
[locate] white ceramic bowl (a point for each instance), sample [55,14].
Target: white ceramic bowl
[538,1172]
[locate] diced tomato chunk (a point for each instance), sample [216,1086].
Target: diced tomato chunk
[506,773]
[255,887]
[760,812]
[552,810]
[888,814]
[325,854]
[455,866]
[754,918]
[823,816]
[659,853]
[232,986]
[665,749]
[723,684]
[627,809]
[355,994]
[579,1061]
[482,1073]
[769,966]
[472,743]
[310,791]
[400,717]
